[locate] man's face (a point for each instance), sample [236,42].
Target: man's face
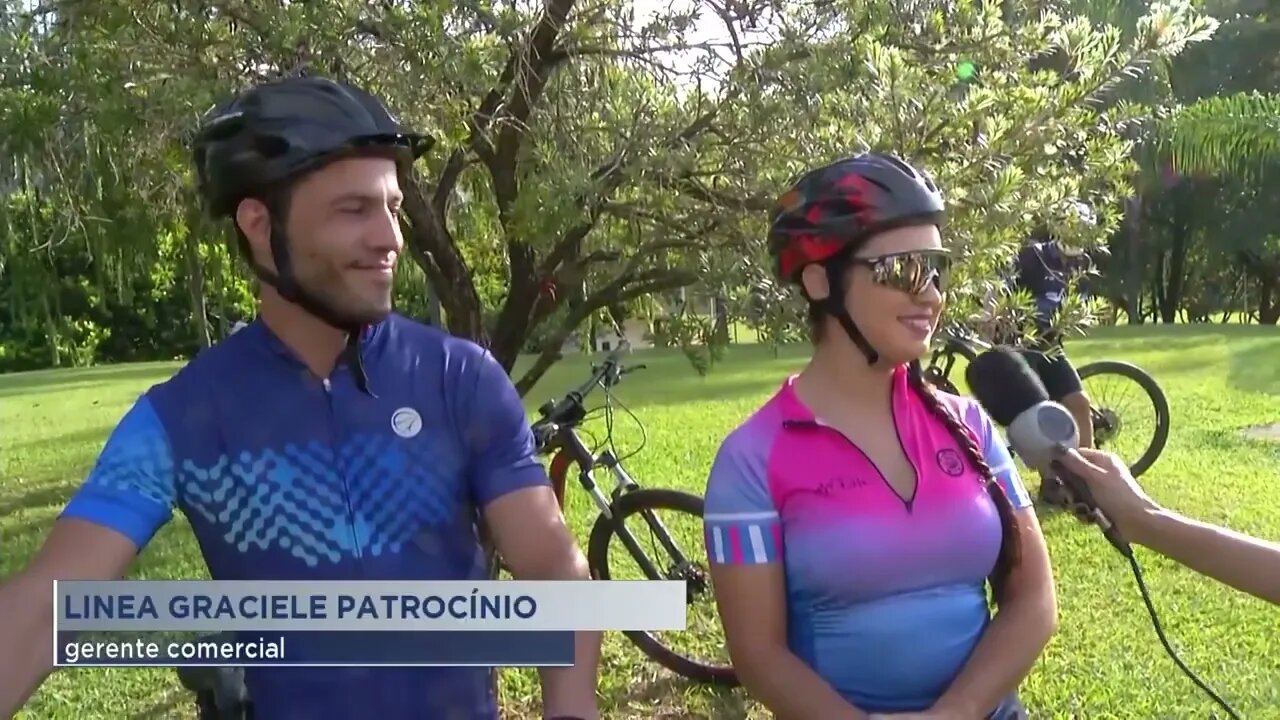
[344,235]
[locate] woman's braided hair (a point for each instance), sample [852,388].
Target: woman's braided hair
[964,437]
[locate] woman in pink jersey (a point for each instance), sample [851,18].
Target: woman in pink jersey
[854,522]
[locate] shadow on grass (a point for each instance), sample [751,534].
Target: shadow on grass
[1257,368]
[44,497]
[664,698]
[63,380]
[167,707]
[60,443]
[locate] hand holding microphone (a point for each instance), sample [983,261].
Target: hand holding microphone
[1114,490]
[1043,434]
[1040,431]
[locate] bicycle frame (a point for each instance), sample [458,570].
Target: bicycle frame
[567,448]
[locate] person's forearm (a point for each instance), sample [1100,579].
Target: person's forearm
[1245,563]
[1003,658]
[791,690]
[26,654]
[571,691]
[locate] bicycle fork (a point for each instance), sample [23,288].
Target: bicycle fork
[623,483]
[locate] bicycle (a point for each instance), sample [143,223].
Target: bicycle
[557,434]
[1108,423]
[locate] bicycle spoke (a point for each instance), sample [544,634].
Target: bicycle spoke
[703,638]
[1128,417]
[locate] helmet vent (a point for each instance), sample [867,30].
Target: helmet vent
[270,146]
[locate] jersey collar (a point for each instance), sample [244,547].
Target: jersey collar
[262,335]
[795,412]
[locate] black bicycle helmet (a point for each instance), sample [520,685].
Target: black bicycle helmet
[272,134]
[277,131]
[832,210]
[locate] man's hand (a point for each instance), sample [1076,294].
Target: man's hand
[531,536]
[1117,493]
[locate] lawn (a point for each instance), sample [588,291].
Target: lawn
[1104,662]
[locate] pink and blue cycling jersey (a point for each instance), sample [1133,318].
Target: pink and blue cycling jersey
[885,597]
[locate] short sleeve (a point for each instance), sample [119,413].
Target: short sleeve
[740,522]
[500,443]
[996,452]
[132,487]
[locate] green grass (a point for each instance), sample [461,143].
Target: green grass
[1104,662]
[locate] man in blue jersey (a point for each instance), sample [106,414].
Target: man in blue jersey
[330,438]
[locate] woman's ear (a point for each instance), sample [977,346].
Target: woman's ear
[813,278]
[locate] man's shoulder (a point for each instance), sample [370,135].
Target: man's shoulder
[415,337]
[209,368]
[413,347]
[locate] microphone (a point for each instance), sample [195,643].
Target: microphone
[1038,429]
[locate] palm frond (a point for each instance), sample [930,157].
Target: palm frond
[1237,134]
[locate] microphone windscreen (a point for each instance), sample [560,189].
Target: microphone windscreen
[1004,384]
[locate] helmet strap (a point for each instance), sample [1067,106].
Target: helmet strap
[833,304]
[286,283]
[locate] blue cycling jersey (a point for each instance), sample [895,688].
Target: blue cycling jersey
[286,476]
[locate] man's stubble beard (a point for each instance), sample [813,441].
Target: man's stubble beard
[330,288]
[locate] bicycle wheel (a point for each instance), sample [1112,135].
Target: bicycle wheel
[1137,436]
[635,511]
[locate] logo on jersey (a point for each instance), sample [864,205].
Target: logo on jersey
[839,484]
[950,462]
[406,422]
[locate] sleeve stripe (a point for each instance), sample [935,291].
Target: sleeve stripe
[745,543]
[739,517]
[1005,468]
[716,544]
[757,544]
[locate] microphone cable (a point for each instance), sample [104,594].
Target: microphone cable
[1155,622]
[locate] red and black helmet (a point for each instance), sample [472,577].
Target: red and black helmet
[835,208]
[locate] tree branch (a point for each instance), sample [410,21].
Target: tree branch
[434,247]
[610,176]
[617,291]
[532,74]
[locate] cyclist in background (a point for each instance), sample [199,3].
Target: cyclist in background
[330,438]
[1044,269]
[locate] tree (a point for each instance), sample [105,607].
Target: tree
[585,157]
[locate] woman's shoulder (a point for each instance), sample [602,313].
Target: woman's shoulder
[967,410]
[743,454]
[755,432]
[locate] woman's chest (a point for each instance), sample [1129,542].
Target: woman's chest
[849,534]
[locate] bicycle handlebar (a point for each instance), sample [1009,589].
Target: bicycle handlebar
[608,372]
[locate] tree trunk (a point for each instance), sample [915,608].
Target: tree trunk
[433,306]
[50,327]
[720,311]
[1135,266]
[1268,301]
[195,285]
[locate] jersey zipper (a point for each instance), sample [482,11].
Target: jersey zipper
[334,437]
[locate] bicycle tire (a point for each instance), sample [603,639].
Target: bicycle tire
[1154,393]
[598,559]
